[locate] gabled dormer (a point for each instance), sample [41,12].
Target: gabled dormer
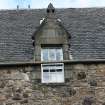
[51,33]
[52,46]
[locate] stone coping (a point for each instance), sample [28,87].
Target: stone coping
[39,62]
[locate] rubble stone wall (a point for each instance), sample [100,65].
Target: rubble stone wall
[84,85]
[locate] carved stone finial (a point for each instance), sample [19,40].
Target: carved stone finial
[50,8]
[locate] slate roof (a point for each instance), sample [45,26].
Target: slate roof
[85,25]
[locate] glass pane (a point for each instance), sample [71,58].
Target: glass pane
[59,70]
[45,54]
[59,54]
[52,76]
[45,70]
[59,77]
[52,70]
[52,54]
[46,77]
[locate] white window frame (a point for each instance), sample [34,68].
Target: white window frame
[55,56]
[57,74]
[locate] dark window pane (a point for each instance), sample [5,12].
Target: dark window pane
[46,70]
[59,70]
[52,70]
[59,65]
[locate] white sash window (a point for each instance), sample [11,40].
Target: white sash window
[52,73]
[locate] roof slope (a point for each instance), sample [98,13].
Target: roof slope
[86,26]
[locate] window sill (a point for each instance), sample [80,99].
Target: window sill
[53,84]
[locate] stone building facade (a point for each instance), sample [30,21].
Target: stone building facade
[61,61]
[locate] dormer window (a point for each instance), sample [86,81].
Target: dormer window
[51,47]
[51,54]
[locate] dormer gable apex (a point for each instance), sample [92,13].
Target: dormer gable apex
[50,9]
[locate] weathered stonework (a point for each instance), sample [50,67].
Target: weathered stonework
[19,87]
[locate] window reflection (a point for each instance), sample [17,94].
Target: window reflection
[59,54]
[51,54]
[45,54]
